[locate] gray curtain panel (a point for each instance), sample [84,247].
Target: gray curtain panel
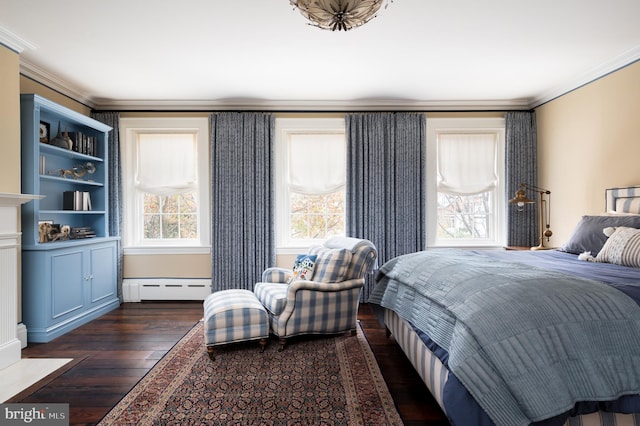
[386,183]
[242,198]
[521,157]
[115,185]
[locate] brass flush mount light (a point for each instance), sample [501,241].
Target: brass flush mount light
[340,15]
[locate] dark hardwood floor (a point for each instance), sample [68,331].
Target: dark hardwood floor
[112,353]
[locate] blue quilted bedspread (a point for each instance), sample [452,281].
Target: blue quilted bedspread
[527,343]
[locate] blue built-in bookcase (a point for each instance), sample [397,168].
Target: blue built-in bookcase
[68,258]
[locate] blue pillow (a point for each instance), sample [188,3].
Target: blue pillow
[588,235]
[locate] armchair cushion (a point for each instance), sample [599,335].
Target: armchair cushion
[273,296]
[331,264]
[302,267]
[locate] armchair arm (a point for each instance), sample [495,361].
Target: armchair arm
[305,298]
[323,287]
[276,275]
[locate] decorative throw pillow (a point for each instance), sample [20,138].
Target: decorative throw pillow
[332,264]
[588,236]
[622,247]
[302,267]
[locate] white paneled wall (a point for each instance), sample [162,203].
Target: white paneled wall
[10,345]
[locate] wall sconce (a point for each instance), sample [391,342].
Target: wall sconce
[544,210]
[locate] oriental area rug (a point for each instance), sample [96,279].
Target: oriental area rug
[329,380]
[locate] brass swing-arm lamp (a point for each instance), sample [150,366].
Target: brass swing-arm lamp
[544,210]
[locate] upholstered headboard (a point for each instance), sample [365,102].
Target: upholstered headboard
[623,200]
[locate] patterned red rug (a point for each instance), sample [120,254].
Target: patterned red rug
[314,381]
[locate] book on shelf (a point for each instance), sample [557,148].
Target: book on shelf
[82,143]
[82,232]
[76,200]
[86,201]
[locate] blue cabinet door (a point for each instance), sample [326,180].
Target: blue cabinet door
[67,283]
[102,259]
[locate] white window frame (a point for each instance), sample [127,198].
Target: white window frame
[436,126]
[285,127]
[132,208]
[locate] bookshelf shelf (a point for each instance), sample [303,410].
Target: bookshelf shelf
[70,181]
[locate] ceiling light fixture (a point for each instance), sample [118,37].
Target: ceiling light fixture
[341,15]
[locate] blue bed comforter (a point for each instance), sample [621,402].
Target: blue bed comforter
[527,343]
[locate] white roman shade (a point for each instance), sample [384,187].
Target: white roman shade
[166,163]
[467,163]
[316,163]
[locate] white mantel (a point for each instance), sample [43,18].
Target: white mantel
[10,346]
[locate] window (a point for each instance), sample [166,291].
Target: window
[465,182]
[165,183]
[310,180]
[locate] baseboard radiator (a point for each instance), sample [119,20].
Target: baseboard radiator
[139,289]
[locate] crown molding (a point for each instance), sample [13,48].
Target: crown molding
[49,80]
[315,106]
[15,42]
[624,59]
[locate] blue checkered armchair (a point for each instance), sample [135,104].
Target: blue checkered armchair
[325,303]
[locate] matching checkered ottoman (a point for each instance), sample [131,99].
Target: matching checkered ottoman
[234,316]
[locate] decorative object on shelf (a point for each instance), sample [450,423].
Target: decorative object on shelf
[340,15]
[88,167]
[44,132]
[62,234]
[62,140]
[77,171]
[544,210]
[44,229]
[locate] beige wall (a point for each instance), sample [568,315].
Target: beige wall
[588,140]
[581,136]
[9,121]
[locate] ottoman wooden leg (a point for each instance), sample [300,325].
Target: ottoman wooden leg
[210,353]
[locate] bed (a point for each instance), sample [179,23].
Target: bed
[526,337]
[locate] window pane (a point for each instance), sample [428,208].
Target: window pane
[151,203]
[188,203]
[317,216]
[152,226]
[170,217]
[170,226]
[170,204]
[189,226]
[464,216]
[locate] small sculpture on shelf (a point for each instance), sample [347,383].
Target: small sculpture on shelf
[77,172]
[62,140]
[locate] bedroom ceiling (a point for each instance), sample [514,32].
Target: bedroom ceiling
[417,54]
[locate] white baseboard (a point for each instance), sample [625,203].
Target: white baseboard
[21,334]
[139,289]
